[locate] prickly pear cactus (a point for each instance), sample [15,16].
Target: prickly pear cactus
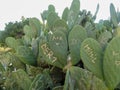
[80,79]
[104,38]
[16,62]
[42,81]
[91,54]
[11,42]
[45,13]
[26,55]
[51,8]
[60,25]
[58,44]
[42,45]
[113,15]
[35,26]
[111,63]
[118,16]
[29,32]
[52,17]
[75,38]
[2,69]
[73,13]
[48,56]
[117,31]
[49,45]
[108,25]
[56,49]
[35,47]
[18,80]
[65,14]
[97,9]
[90,32]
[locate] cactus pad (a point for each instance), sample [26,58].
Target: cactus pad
[26,55]
[113,15]
[73,13]
[91,54]
[58,45]
[11,42]
[76,36]
[111,63]
[80,79]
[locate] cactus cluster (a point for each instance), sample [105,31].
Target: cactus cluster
[71,52]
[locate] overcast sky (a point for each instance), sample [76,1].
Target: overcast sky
[12,10]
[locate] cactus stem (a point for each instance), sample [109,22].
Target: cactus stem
[67,66]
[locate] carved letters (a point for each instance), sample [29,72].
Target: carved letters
[49,53]
[90,53]
[116,54]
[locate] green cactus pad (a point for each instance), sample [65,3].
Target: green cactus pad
[60,25]
[52,17]
[111,63]
[113,15]
[18,80]
[76,36]
[73,13]
[29,32]
[42,46]
[42,81]
[48,56]
[55,51]
[65,14]
[91,54]
[45,13]
[35,47]
[16,62]
[11,42]
[90,32]
[27,40]
[58,44]
[35,26]
[97,9]
[118,16]
[81,79]
[104,38]
[117,31]
[26,55]
[51,8]
[2,69]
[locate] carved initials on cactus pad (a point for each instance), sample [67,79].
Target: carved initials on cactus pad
[49,53]
[90,52]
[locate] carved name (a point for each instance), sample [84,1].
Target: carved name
[90,53]
[49,53]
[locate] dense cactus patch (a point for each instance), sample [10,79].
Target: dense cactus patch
[70,52]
